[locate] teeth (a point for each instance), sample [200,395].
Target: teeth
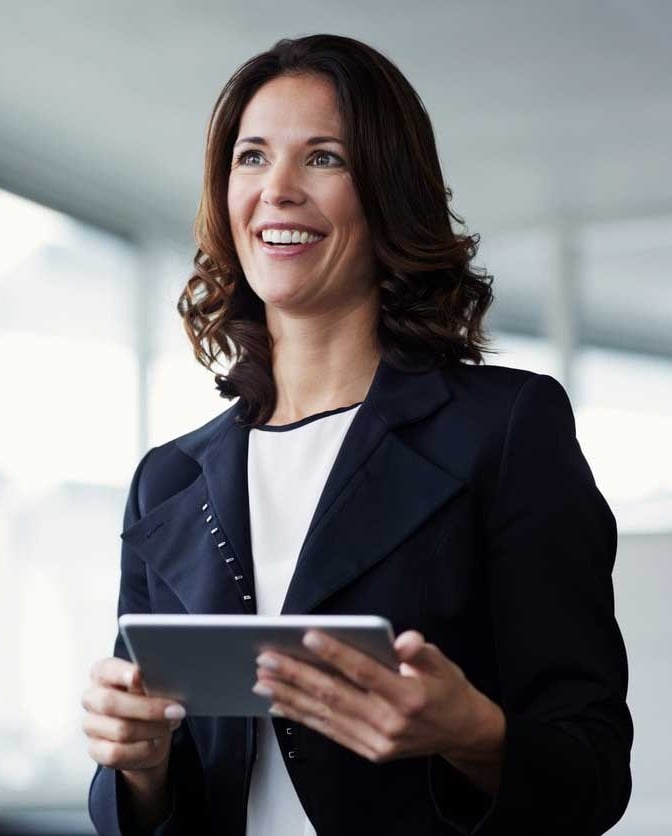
[288,236]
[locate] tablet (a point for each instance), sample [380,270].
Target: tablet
[207,662]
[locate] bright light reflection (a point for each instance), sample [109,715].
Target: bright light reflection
[26,227]
[629,452]
[182,396]
[18,768]
[69,411]
[47,643]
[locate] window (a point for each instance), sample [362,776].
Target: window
[68,445]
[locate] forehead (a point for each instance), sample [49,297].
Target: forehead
[293,105]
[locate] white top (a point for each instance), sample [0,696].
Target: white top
[287,467]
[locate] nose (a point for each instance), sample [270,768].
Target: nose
[282,185]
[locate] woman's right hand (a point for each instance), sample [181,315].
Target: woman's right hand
[126,729]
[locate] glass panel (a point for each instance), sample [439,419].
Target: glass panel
[518,352]
[624,424]
[181,393]
[68,446]
[623,410]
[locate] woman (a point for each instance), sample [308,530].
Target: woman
[367,467]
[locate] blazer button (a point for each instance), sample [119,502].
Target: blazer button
[291,754]
[289,730]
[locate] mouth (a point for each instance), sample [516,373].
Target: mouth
[288,242]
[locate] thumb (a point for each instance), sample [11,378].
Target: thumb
[414,652]
[136,684]
[408,644]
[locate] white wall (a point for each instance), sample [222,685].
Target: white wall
[643,589]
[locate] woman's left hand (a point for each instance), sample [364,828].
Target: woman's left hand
[427,708]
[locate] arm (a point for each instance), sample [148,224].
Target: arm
[481,759]
[166,801]
[562,665]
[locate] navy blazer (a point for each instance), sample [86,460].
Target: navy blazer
[459,505]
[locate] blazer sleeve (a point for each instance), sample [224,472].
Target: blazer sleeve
[561,659]
[108,803]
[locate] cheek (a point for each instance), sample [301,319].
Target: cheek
[345,212]
[239,203]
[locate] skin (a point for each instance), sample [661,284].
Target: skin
[321,310]
[427,708]
[129,731]
[322,306]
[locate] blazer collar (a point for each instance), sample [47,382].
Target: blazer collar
[375,478]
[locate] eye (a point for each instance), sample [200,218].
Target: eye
[248,158]
[320,159]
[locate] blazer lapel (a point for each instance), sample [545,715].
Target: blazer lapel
[198,541]
[225,471]
[379,490]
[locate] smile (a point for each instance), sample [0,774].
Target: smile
[289,236]
[285,243]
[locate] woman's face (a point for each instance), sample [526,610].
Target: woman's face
[290,178]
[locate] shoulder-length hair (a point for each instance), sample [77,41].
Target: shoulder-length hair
[431,300]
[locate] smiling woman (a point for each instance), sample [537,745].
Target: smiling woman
[371,465]
[324,135]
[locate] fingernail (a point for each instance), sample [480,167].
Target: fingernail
[268,662]
[128,678]
[313,640]
[175,724]
[276,712]
[174,712]
[262,690]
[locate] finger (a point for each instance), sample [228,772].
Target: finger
[367,731]
[122,730]
[408,643]
[328,697]
[337,734]
[148,753]
[420,655]
[356,666]
[116,673]
[332,700]
[115,703]
[322,688]
[298,680]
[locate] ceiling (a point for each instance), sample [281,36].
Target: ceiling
[547,113]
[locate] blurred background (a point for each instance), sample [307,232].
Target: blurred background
[554,123]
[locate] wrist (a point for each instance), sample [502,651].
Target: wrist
[148,797]
[483,733]
[148,780]
[479,753]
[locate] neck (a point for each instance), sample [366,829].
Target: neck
[323,362]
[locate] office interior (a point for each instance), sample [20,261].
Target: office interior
[554,126]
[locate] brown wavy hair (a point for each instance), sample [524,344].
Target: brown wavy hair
[432,300]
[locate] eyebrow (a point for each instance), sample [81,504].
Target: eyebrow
[314,140]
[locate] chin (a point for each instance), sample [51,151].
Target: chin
[280,294]
[278,297]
